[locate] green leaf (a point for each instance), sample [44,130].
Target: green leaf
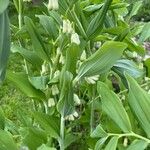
[39,82]
[139,101]
[98,132]
[36,39]
[145,34]
[33,137]
[147,64]
[127,66]
[133,46]
[69,139]
[65,105]
[112,145]
[49,123]
[102,60]
[44,147]
[138,145]
[20,80]
[49,25]
[3,6]
[71,58]
[30,56]
[100,143]
[97,22]
[112,106]
[2,119]
[6,141]
[4,41]
[134,11]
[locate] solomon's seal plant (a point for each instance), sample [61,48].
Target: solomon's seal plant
[84,72]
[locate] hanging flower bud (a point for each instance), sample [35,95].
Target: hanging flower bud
[55,90]
[51,102]
[92,79]
[83,56]
[44,68]
[57,73]
[53,5]
[141,66]
[76,99]
[75,114]
[67,28]
[72,116]
[75,38]
[61,59]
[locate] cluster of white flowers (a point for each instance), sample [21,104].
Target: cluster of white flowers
[51,102]
[67,28]
[83,56]
[44,68]
[72,116]
[53,5]
[55,90]
[92,79]
[76,99]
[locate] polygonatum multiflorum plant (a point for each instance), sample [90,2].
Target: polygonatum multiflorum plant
[85,71]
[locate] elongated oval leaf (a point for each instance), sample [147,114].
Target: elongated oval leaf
[2,119]
[145,33]
[112,145]
[21,81]
[129,67]
[4,43]
[102,60]
[72,54]
[96,24]
[30,56]
[3,5]
[139,101]
[33,137]
[48,123]
[138,145]
[100,143]
[66,103]
[112,106]
[6,141]
[37,42]
[98,132]
[49,25]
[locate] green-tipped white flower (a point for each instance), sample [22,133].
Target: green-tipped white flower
[75,38]
[92,79]
[57,73]
[147,79]
[83,56]
[67,27]
[44,68]
[125,142]
[53,5]
[51,102]
[76,99]
[55,90]
[141,66]
[149,92]
[135,54]
[72,116]
[75,114]
[61,59]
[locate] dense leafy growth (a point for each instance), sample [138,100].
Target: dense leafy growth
[78,76]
